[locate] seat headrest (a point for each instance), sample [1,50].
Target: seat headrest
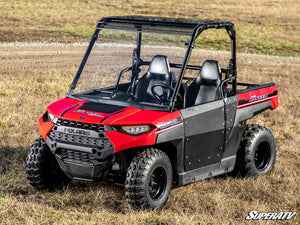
[159,65]
[211,73]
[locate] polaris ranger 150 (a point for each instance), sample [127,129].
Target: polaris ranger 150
[148,113]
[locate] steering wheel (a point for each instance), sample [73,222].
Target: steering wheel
[161,97]
[179,101]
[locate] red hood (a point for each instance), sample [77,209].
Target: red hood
[90,112]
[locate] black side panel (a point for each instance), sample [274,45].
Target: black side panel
[248,112]
[226,165]
[231,103]
[233,133]
[175,136]
[170,134]
[233,141]
[204,134]
[202,150]
[104,108]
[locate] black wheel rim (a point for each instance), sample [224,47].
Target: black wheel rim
[157,183]
[262,156]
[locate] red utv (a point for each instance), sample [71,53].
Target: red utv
[142,110]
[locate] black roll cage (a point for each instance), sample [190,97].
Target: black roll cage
[161,25]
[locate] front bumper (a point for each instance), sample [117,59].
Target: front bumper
[82,150]
[81,171]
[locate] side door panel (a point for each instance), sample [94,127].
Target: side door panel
[204,134]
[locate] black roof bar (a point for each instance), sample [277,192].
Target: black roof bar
[177,26]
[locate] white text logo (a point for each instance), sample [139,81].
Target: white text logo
[254,215]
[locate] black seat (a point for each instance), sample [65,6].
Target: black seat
[158,73]
[191,92]
[206,87]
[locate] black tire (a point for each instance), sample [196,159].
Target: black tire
[149,180]
[257,152]
[42,169]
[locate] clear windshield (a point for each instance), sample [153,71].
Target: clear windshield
[114,71]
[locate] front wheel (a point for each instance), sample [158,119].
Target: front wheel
[149,179]
[42,169]
[257,151]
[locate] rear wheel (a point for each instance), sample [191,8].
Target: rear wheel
[257,151]
[149,179]
[42,169]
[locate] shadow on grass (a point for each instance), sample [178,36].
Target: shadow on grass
[78,194]
[12,158]
[108,194]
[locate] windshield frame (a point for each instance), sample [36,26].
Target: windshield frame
[136,25]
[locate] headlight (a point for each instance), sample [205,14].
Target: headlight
[134,129]
[52,118]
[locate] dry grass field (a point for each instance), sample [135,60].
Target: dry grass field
[34,75]
[263,26]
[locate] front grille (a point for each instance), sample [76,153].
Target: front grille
[76,157]
[81,125]
[87,135]
[102,142]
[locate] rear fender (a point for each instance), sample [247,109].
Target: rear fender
[255,101]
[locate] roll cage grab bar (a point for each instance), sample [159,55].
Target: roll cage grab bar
[185,27]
